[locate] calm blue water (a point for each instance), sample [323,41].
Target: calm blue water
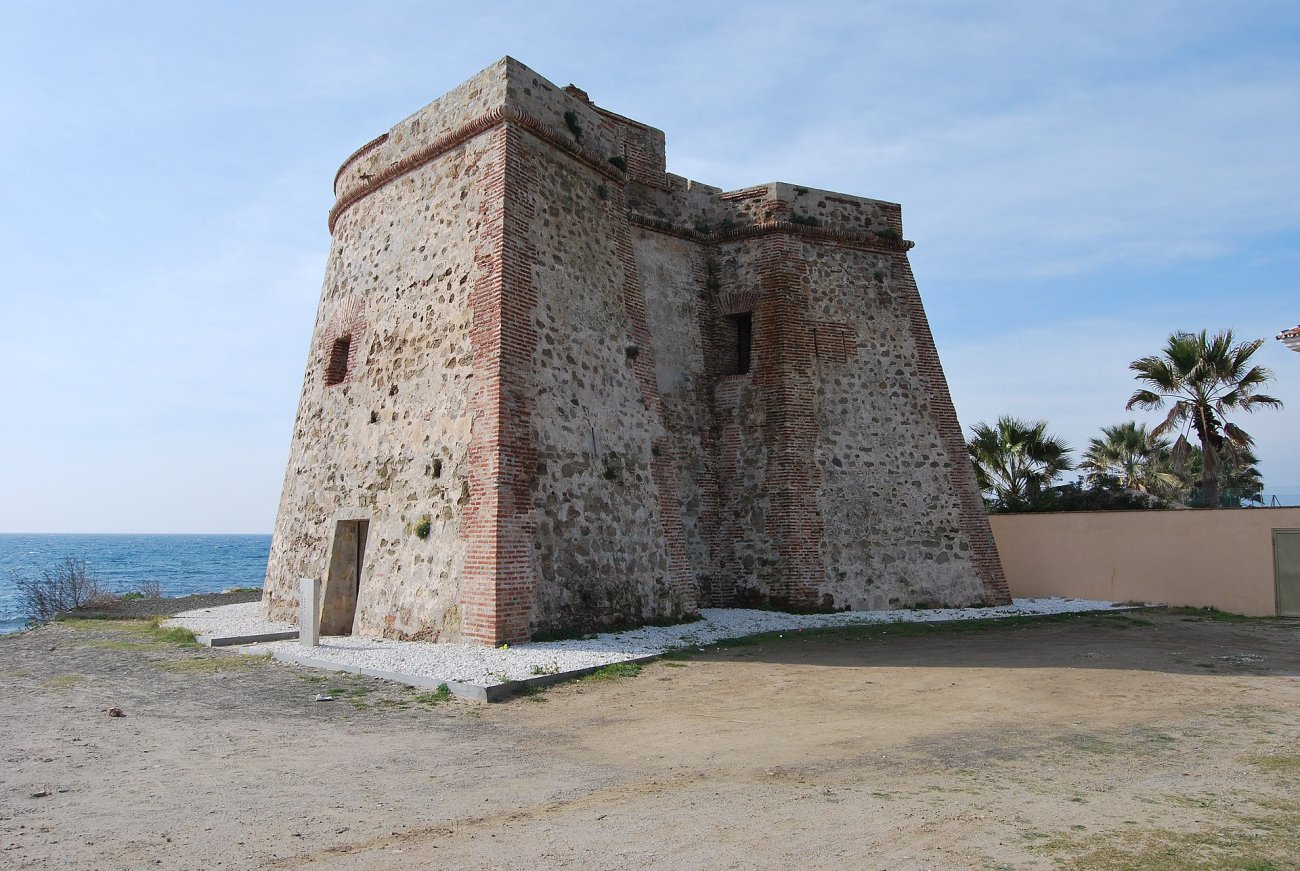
[182,563]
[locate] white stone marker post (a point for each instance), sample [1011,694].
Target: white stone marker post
[309,611]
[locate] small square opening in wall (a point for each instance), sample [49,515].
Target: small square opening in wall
[336,370]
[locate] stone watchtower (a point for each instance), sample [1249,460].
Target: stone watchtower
[553,387]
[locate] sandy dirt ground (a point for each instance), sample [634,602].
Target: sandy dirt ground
[1139,740]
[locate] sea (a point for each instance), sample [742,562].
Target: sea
[182,564]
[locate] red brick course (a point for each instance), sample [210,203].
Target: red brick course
[498,587]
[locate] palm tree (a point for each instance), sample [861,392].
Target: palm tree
[1131,458]
[1239,478]
[1203,378]
[1016,459]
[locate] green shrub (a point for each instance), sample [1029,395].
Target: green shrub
[571,121]
[437,697]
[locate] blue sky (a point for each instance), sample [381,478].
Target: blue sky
[1081,179]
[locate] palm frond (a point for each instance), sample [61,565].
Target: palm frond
[1255,375]
[1249,404]
[1237,437]
[1146,400]
[1177,414]
[1179,452]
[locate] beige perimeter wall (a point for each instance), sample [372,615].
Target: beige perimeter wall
[1222,559]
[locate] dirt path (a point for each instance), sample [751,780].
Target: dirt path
[1152,740]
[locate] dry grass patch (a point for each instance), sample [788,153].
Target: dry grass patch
[212,664]
[64,681]
[148,631]
[1278,764]
[1249,843]
[82,624]
[114,644]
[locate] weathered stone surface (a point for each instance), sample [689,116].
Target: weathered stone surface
[524,383]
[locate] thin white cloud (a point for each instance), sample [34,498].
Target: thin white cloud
[1182,165]
[169,170]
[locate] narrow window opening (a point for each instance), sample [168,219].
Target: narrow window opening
[744,323]
[336,371]
[437,469]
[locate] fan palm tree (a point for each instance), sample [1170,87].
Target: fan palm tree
[1131,458]
[1203,378]
[1016,459]
[1239,478]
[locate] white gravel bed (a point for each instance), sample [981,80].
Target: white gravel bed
[225,621]
[485,666]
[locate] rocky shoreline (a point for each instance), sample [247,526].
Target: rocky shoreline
[135,609]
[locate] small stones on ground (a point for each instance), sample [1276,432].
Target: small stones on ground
[41,793]
[229,620]
[115,712]
[488,666]
[321,697]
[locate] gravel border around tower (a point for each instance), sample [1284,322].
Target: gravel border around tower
[485,667]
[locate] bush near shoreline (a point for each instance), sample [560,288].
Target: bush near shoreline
[69,589]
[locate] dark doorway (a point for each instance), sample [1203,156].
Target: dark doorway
[343,582]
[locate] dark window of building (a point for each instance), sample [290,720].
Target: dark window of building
[744,340]
[337,368]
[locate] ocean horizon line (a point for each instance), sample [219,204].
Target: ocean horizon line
[184,534]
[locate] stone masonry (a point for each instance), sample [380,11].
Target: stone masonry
[554,388]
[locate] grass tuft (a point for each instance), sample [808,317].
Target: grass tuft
[174,635]
[615,670]
[437,697]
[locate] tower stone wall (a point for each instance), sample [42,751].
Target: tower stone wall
[542,419]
